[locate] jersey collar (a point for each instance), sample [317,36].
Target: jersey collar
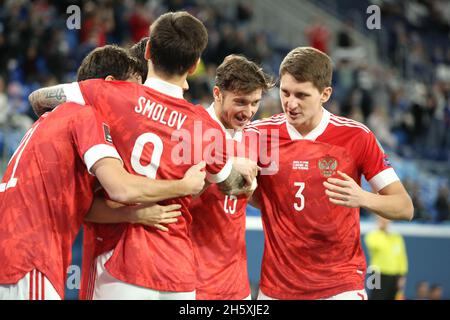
[164,87]
[315,133]
[229,133]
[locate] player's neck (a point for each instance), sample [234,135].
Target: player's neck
[308,126]
[218,113]
[175,80]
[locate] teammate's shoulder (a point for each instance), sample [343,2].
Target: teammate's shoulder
[346,124]
[68,108]
[266,123]
[199,110]
[81,113]
[198,113]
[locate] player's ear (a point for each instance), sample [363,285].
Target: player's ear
[194,67]
[217,94]
[109,78]
[147,51]
[185,85]
[326,94]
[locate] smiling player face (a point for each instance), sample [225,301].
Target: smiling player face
[235,110]
[302,102]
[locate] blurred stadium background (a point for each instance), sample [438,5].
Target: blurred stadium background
[395,79]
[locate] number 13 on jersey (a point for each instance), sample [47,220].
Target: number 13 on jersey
[299,205]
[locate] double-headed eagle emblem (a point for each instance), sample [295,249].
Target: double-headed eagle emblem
[327,166]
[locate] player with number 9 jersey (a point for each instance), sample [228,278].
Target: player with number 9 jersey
[159,135]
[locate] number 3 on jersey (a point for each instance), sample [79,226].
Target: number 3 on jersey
[300,205]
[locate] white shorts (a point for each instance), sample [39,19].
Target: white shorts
[348,295]
[106,287]
[33,286]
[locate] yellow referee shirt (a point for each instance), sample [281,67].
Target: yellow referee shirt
[387,251]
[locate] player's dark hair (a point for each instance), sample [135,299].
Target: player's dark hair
[137,51]
[308,64]
[109,60]
[177,40]
[238,74]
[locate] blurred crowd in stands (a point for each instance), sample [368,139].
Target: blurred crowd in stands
[425,291]
[404,98]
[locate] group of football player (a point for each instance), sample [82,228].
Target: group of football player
[161,185]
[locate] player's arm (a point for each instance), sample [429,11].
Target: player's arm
[391,202]
[127,188]
[255,199]
[254,203]
[107,211]
[46,99]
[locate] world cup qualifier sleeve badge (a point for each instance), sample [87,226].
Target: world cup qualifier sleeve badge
[327,166]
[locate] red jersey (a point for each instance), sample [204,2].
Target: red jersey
[46,191]
[97,239]
[312,247]
[218,236]
[159,135]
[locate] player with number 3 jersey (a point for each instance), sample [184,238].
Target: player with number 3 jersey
[310,203]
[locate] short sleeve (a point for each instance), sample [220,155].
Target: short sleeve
[214,150]
[73,93]
[250,144]
[262,145]
[376,167]
[83,92]
[92,137]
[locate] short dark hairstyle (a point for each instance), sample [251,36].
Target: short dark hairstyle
[239,74]
[137,51]
[177,40]
[109,60]
[308,64]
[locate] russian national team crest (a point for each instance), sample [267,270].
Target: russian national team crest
[328,166]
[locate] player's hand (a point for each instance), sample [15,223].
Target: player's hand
[194,178]
[345,192]
[155,215]
[247,168]
[248,191]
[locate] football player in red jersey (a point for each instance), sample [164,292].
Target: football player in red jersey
[310,203]
[219,237]
[159,134]
[102,63]
[47,190]
[137,51]
[218,228]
